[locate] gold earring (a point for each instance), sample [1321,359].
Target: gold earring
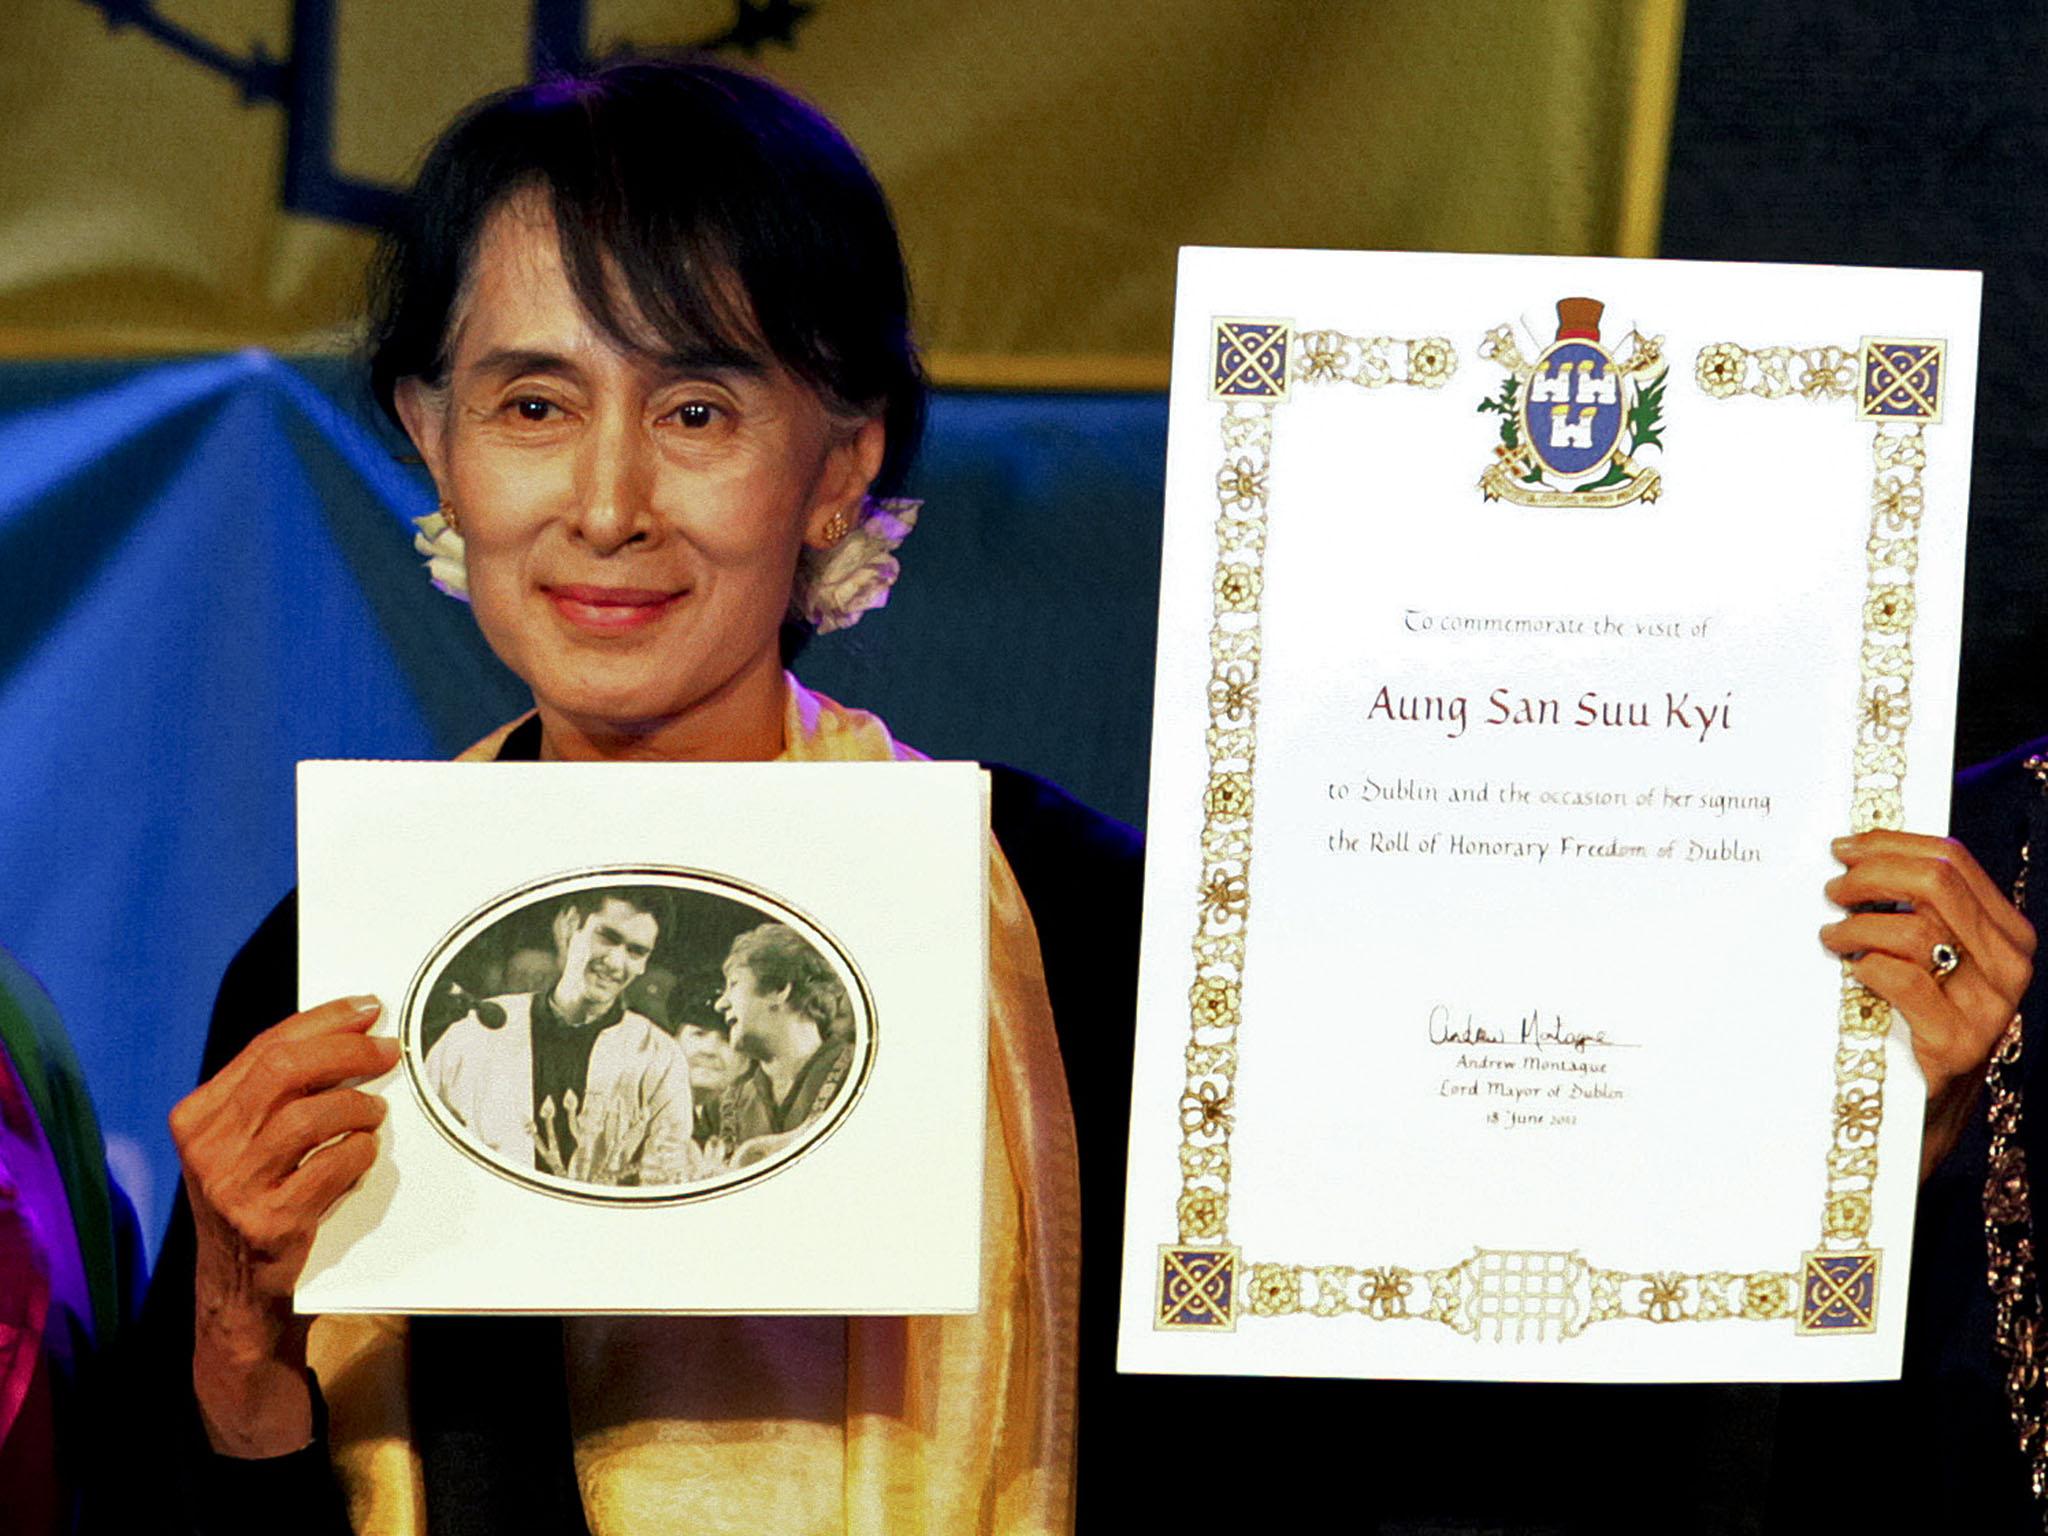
[840,526]
[447,511]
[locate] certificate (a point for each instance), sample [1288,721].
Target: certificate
[1528,628]
[673,1037]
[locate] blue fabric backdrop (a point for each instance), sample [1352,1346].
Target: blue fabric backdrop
[206,574]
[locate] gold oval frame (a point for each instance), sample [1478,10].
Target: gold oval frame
[772,907]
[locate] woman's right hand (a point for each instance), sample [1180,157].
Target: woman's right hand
[268,1144]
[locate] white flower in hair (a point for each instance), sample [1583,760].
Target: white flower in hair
[835,586]
[442,545]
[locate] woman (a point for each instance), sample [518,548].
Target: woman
[790,1016]
[1957,1444]
[1931,1453]
[648,332]
[705,1036]
[1928,931]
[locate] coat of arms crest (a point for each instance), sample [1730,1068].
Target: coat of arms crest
[1573,421]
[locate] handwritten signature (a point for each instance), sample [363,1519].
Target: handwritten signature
[1534,1029]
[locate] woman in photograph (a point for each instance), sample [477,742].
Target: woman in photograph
[791,1018]
[648,331]
[705,1035]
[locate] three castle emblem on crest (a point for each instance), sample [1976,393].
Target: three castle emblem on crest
[1574,421]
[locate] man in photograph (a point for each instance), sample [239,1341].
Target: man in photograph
[567,1074]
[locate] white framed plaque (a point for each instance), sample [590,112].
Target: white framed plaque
[673,1037]
[1529,627]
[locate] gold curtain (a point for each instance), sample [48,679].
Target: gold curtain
[1045,157]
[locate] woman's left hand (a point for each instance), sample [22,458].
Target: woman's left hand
[1956,1018]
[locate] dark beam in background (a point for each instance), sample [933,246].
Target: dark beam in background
[558,38]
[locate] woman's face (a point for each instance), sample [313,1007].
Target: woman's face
[714,1064]
[757,1018]
[631,523]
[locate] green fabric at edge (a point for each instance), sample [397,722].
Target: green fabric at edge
[41,1052]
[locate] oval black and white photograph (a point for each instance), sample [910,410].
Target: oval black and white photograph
[638,1035]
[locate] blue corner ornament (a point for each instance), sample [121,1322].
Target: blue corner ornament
[1250,360]
[1197,1290]
[1901,381]
[1838,1292]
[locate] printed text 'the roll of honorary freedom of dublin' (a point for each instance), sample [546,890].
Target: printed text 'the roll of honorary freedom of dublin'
[1688,850]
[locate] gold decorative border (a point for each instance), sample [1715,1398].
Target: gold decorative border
[716,885]
[1331,357]
[1897,386]
[1515,1295]
[1256,361]
[1204,1285]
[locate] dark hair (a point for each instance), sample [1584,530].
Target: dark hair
[780,957]
[735,218]
[653,900]
[693,1004]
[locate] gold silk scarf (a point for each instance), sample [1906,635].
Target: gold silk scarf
[814,1426]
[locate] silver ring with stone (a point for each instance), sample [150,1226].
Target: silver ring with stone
[1943,959]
